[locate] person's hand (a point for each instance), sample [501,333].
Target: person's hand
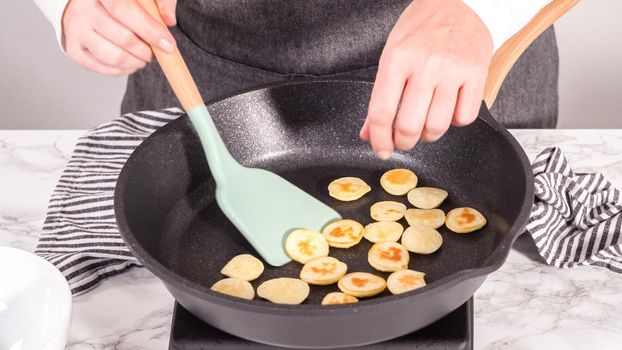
[431,74]
[112,36]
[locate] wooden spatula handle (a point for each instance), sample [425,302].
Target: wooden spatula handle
[505,57]
[175,68]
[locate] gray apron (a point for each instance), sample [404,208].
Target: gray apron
[232,45]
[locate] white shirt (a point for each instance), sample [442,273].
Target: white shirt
[503,18]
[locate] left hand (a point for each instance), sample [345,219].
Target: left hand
[111,36]
[431,74]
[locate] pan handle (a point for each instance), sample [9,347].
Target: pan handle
[505,57]
[175,68]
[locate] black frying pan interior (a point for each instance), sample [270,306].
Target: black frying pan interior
[309,135]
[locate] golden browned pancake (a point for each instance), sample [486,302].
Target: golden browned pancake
[338,298]
[404,281]
[427,197]
[387,211]
[284,290]
[303,245]
[323,271]
[348,188]
[421,239]
[383,231]
[362,284]
[343,233]
[235,287]
[398,181]
[433,218]
[465,219]
[388,257]
[243,266]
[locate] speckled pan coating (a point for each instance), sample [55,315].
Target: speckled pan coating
[308,133]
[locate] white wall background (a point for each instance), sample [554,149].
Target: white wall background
[41,89]
[590,49]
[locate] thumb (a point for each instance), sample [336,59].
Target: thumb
[167,11]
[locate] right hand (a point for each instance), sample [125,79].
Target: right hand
[112,37]
[431,74]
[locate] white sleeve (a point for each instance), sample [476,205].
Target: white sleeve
[53,11]
[504,18]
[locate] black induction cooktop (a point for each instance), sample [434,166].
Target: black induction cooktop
[454,331]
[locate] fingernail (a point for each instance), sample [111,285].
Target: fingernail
[166,45]
[384,155]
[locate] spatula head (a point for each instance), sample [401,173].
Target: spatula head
[266,208]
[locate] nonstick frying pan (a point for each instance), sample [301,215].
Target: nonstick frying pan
[308,133]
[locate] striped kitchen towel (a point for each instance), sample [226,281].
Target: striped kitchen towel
[577,218]
[575,221]
[80,235]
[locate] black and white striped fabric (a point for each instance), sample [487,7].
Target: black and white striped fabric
[80,235]
[577,218]
[575,221]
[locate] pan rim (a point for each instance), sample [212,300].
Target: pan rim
[494,261]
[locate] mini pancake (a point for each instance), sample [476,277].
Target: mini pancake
[323,271]
[290,291]
[348,188]
[427,197]
[235,287]
[303,245]
[362,284]
[343,233]
[398,181]
[464,220]
[387,211]
[404,281]
[383,231]
[433,218]
[338,298]
[388,257]
[421,239]
[243,266]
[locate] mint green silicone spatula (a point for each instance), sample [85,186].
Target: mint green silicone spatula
[263,206]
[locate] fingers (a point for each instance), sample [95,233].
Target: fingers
[116,33]
[426,111]
[385,98]
[84,58]
[133,16]
[440,112]
[469,102]
[364,134]
[167,11]
[412,114]
[109,54]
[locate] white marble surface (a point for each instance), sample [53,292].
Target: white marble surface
[524,305]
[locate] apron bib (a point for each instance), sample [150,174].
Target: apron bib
[233,45]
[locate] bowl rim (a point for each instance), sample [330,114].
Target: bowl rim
[494,261]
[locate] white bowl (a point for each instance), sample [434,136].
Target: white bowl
[35,303]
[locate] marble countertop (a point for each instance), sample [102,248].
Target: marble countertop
[526,304]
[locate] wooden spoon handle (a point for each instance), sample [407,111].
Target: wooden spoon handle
[175,68]
[505,57]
